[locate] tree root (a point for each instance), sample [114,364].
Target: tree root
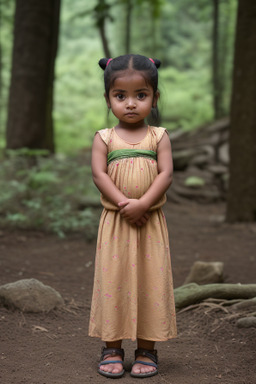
[190,294]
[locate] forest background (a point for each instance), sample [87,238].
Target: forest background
[55,102]
[195,48]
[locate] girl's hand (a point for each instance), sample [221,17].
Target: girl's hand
[134,211]
[143,220]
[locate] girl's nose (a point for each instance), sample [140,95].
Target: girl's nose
[131,103]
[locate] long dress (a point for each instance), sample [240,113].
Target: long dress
[133,289]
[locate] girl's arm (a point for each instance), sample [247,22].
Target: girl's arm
[99,173]
[104,182]
[137,208]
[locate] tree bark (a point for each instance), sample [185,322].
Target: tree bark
[128,27]
[36,28]
[215,61]
[242,185]
[102,31]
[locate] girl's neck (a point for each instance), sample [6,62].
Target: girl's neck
[140,125]
[131,133]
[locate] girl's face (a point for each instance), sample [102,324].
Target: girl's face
[131,98]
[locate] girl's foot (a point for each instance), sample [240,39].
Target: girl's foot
[112,367]
[109,365]
[145,364]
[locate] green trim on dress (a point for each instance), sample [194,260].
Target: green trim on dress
[125,153]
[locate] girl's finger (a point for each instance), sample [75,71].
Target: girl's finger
[143,220]
[122,203]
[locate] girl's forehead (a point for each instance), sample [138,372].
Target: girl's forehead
[130,77]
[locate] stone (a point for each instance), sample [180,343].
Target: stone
[205,273]
[30,295]
[224,154]
[246,322]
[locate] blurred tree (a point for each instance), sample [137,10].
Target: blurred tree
[242,185]
[101,14]
[154,9]
[215,62]
[1,64]
[36,28]
[221,74]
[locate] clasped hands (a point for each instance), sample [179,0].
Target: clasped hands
[134,211]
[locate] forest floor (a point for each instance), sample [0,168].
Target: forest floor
[54,348]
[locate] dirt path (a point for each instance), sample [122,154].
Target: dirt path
[55,349]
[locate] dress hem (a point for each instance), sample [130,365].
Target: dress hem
[134,339]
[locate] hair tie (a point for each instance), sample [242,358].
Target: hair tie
[151,60]
[108,62]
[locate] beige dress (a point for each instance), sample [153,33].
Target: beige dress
[133,291]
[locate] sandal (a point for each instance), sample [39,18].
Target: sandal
[152,355]
[111,352]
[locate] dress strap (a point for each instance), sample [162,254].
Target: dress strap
[105,135]
[124,153]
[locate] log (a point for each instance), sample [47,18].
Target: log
[193,293]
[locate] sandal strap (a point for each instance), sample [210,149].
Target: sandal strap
[144,363]
[112,352]
[151,354]
[105,362]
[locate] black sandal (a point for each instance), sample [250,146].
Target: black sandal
[152,355]
[111,352]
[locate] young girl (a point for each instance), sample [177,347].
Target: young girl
[132,168]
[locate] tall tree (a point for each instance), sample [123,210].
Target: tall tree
[215,61]
[101,14]
[36,28]
[242,185]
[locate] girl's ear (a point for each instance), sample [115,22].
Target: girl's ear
[107,100]
[155,99]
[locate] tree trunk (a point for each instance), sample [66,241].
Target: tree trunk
[36,28]
[1,63]
[215,60]
[104,38]
[128,27]
[242,185]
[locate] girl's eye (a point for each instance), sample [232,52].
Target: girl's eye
[120,96]
[141,96]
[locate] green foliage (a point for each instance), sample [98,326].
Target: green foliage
[54,194]
[178,32]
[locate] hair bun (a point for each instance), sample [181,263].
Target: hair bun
[103,63]
[157,63]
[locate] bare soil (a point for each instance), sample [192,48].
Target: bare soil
[54,348]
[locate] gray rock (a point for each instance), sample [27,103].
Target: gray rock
[246,322]
[205,273]
[30,295]
[224,154]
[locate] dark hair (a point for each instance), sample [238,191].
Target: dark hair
[137,62]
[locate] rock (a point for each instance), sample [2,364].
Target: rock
[30,295]
[182,158]
[246,322]
[224,154]
[205,273]
[194,182]
[217,169]
[204,194]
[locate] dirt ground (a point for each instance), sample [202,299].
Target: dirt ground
[54,348]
